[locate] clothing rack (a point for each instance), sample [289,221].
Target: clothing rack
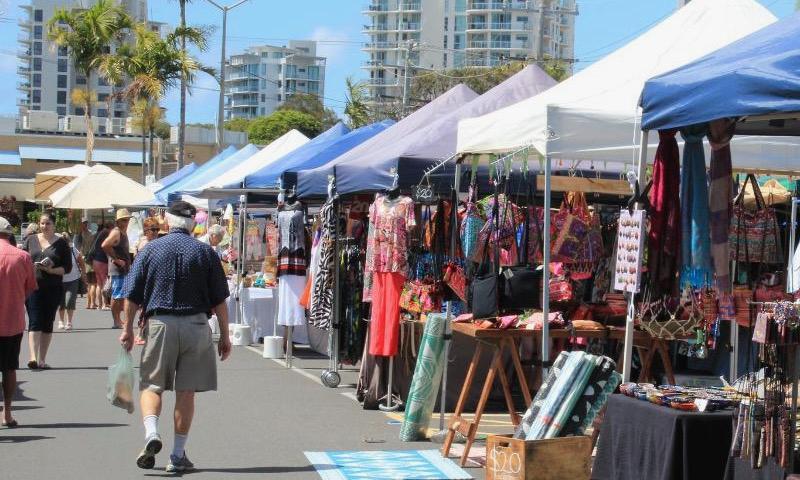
[330,376]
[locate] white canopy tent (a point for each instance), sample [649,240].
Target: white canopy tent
[594,115]
[100,187]
[50,181]
[234,177]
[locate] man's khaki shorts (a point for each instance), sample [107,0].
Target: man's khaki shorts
[178,355]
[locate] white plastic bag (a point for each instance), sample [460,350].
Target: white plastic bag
[120,382]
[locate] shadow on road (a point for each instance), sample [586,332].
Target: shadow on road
[77,425]
[77,368]
[22,438]
[245,470]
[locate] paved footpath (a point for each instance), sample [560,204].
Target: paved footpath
[257,425]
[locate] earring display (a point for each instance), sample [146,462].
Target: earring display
[630,236]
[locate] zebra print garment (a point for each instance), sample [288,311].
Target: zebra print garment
[321,310]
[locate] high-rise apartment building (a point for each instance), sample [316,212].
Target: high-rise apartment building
[444,34]
[47,75]
[259,80]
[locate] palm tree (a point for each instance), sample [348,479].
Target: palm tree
[153,65]
[182,121]
[356,103]
[146,117]
[88,34]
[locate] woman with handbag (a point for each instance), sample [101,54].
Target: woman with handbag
[51,259]
[71,282]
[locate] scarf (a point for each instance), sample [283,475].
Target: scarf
[720,200]
[695,215]
[665,215]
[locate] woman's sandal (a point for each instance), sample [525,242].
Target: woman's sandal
[33,365]
[11,424]
[44,366]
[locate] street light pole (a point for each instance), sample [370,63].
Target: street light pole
[221,107]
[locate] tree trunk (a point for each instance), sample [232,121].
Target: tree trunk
[144,154]
[151,149]
[182,120]
[87,115]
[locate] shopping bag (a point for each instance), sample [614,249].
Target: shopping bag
[120,382]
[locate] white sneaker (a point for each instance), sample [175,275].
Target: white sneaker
[60,325]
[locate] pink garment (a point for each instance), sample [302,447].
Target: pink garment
[384,325]
[100,272]
[18,281]
[387,239]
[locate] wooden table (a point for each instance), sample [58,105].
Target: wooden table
[501,340]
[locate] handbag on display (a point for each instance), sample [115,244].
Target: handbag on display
[561,289]
[522,284]
[484,289]
[575,233]
[754,234]
[420,297]
[471,224]
[456,280]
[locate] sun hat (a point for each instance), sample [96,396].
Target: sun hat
[182,209]
[123,214]
[5,227]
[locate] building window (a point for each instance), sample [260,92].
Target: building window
[37,96]
[61,97]
[61,111]
[119,114]
[62,65]
[62,81]
[37,79]
[80,80]
[102,112]
[102,97]
[36,107]
[63,51]
[101,82]
[37,48]
[37,64]
[522,19]
[101,128]
[263,97]
[38,15]
[263,111]
[277,54]
[445,41]
[79,111]
[37,32]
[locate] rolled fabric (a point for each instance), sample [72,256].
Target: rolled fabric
[576,390]
[611,384]
[426,380]
[556,396]
[594,389]
[536,405]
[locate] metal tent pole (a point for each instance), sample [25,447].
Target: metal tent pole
[548,164]
[330,377]
[631,313]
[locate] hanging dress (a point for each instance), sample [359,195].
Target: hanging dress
[291,266]
[321,309]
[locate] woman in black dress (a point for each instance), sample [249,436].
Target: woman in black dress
[51,259]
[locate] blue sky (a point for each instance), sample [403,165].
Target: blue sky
[602,26]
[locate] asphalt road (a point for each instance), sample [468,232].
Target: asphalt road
[257,425]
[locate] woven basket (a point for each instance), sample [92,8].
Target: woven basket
[659,322]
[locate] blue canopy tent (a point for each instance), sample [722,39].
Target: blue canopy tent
[321,156]
[314,182]
[269,175]
[757,76]
[163,193]
[212,169]
[174,177]
[753,83]
[437,141]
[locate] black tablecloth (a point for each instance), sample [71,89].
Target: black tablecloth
[639,440]
[739,469]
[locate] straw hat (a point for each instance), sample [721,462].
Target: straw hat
[123,214]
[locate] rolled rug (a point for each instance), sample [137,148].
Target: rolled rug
[536,405]
[426,380]
[556,396]
[576,390]
[593,390]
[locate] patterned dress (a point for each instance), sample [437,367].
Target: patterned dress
[387,240]
[292,243]
[321,309]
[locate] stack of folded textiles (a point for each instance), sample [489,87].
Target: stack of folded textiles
[576,388]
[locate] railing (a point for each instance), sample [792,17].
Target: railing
[500,6]
[483,62]
[379,81]
[410,6]
[372,63]
[24,38]
[489,26]
[491,44]
[243,89]
[381,45]
[301,76]
[376,28]
[408,26]
[238,75]
[376,7]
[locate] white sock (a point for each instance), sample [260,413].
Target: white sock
[178,449]
[150,425]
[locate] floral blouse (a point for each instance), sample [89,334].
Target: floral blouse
[387,239]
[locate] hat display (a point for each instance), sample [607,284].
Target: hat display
[123,214]
[182,209]
[5,226]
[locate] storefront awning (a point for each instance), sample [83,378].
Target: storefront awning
[78,154]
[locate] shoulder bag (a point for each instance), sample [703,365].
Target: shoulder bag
[522,284]
[485,287]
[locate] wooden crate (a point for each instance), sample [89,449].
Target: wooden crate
[554,459]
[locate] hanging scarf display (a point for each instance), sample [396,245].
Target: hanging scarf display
[665,215]
[695,215]
[720,201]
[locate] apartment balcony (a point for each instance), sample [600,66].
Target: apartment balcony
[408,26]
[479,27]
[250,88]
[243,103]
[25,23]
[235,76]
[23,70]
[376,8]
[24,38]
[410,6]
[301,76]
[488,6]
[23,102]
[382,27]
[23,86]
[482,62]
[26,53]
[371,46]
[491,45]
[380,82]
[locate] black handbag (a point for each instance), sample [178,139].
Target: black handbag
[484,289]
[522,283]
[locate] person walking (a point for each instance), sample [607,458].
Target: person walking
[151,229]
[100,266]
[71,283]
[118,251]
[18,281]
[179,282]
[84,241]
[52,259]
